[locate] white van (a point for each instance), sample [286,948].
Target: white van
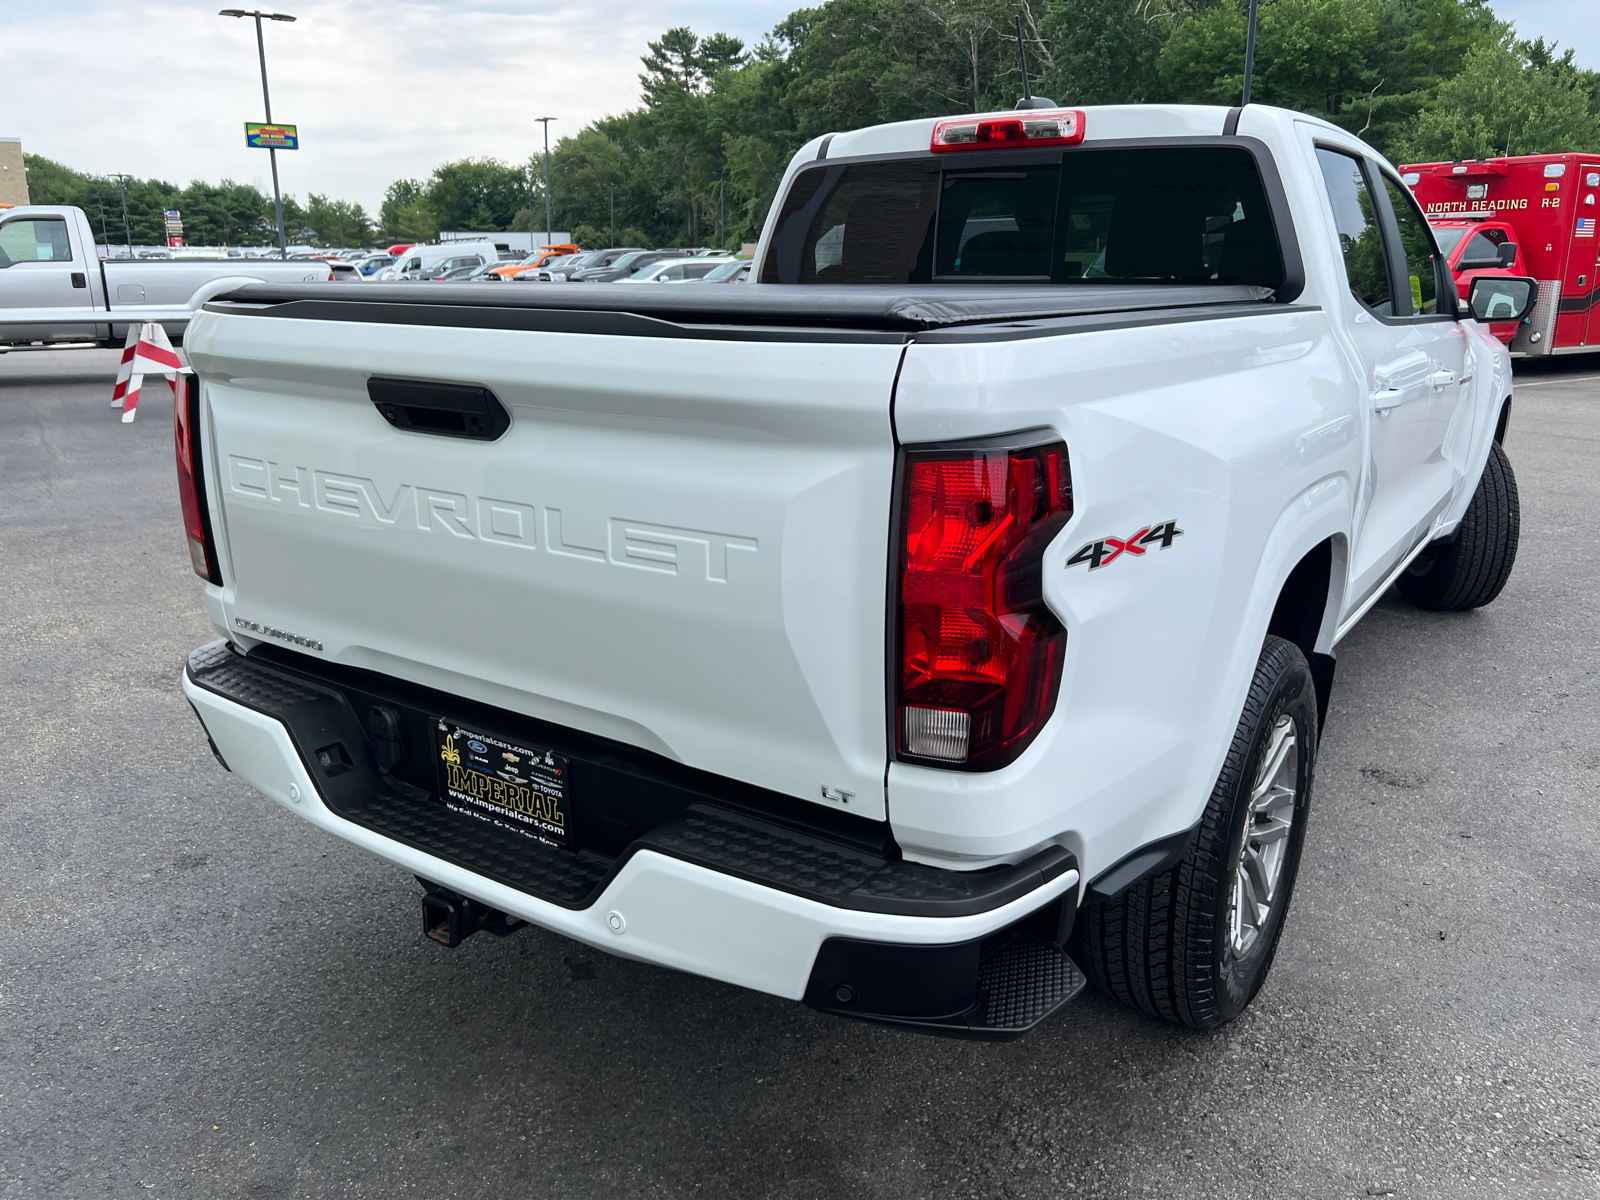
[420,258]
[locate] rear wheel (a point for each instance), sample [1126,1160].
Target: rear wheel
[1194,943]
[1469,570]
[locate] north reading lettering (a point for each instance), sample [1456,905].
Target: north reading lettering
[510,796]
[1445,206]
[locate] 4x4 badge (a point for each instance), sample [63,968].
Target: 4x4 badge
[1107,550]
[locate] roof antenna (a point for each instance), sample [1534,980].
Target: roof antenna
[1029,100]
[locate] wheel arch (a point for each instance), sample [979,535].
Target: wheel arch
[1304,571]
[1502,422]
[1307,612]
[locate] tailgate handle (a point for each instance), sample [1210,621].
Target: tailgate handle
[447,409]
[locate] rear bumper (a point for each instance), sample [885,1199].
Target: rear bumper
[717,889]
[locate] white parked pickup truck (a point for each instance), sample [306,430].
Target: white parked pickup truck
[944,618]
[55,288]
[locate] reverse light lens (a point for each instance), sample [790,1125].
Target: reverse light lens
[941,733]
[980,653]
[996,131]
[191,487]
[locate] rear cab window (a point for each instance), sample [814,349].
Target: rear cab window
[1161,214]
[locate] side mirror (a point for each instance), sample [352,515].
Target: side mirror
[1508,254]
[1502,298]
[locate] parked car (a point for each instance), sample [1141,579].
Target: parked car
[343,272]
[483,274]
[539,258]
[464,271]
[373,263]
[945,616]
[558,270]
[668,270]
[735,271]
[625,266]
[421,258]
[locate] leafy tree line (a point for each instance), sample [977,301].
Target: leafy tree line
[1419,79]
[224,214]
[718,120]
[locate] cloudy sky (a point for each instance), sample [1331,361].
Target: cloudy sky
[380,90]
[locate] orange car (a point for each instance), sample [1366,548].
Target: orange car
[537,259]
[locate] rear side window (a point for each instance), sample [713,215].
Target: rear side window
[1356,219]
[1189,214]
[41,239]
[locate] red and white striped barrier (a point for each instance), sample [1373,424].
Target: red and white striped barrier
[148,352]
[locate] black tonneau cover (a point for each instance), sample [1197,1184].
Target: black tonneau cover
[659,309]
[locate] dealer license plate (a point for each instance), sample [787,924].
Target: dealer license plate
[516,787]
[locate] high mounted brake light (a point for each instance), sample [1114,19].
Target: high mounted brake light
[980,654]
[1009,130]
[191,479]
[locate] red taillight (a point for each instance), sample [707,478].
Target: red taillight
[997,131]
[191,479]
[980,653]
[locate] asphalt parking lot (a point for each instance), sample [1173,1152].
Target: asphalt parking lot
[202,996]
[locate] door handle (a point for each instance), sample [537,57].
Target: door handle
[79,280]
[1442,378]
[1386,398]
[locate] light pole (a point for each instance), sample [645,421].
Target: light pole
[547,226]
[266,99]
[127,230]
[613,245]
[1249,53]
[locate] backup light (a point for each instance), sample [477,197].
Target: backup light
[980,654]
[1009,130]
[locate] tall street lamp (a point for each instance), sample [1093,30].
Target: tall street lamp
[545,121]
[266,99]
[122,186]
[1249,53]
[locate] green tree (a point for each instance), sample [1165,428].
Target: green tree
[338,222]
[476,194]
[398,195]
[1503,101]
[1103,51]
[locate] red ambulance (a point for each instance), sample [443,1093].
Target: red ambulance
[1530,214]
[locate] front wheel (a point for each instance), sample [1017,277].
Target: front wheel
[1469,571]
[1194,943]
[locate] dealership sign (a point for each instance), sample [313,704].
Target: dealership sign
[271,137]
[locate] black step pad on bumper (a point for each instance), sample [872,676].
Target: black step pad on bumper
[721,835]
[995,990]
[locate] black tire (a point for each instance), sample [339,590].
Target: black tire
[1469,571]
[1165,943]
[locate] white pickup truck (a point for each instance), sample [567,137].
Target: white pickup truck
[55,288]
[945,617]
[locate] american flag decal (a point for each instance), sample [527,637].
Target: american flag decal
[1585,227]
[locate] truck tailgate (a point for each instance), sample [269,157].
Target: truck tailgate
[679,543]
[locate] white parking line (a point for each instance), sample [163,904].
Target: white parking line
[1548,382]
